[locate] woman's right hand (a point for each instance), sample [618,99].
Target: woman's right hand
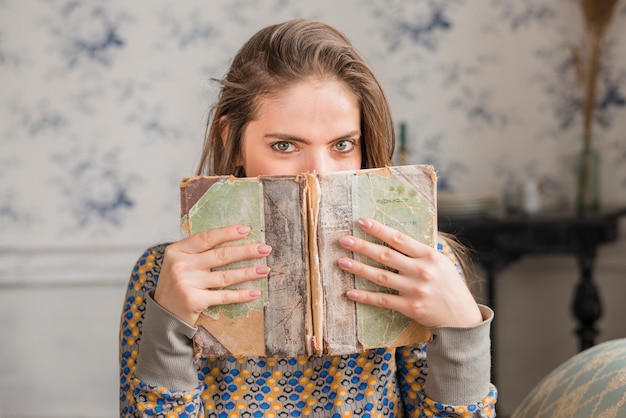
[187,285]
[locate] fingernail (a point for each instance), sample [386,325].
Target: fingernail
[345,263]
[365,223]
[262,270]
[346,241]
[243,229]
[254,293]
[264,249]
[352,294]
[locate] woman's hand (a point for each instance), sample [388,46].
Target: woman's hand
[429,287]
[187,285]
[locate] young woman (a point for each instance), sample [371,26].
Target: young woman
[298,98]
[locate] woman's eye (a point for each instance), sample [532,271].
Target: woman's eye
[283,146]
[344,146]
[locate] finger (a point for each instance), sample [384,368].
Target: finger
[222,256]
[382,300]
[205,240]
[225,278]
[379,276]
[380,253]
[222,296]
[396,239]
[227,297]
[215,291]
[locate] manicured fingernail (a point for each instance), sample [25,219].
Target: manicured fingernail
[365,223]
[344,262]
[243,229]
[254,293]
[352,294]
[264,249]
[346,241]
[262,270]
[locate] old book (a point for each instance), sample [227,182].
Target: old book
[304,309]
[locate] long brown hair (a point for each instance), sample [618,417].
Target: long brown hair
[276,58]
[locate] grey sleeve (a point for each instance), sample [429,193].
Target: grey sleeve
[459,362]
[166,351]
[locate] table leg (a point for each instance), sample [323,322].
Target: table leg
[587,307]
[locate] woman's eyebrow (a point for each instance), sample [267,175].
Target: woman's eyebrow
[294,138]
[286,137]
[351,134]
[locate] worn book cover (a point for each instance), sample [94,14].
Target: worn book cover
[303,309]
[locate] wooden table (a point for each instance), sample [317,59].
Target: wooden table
[498,241]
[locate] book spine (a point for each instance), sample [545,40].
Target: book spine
[334,221]
[287,316]
[316,294]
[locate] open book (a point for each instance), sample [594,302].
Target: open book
[304,309]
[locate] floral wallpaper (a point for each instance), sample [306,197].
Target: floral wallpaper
[103,104]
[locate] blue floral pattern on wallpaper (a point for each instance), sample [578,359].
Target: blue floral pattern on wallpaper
[104,103]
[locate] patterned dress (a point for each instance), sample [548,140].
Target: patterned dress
[376,383]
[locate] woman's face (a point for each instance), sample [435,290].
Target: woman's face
[314,126]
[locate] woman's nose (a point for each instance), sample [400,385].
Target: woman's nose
[317,163]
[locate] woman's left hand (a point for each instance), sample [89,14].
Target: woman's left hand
[430,289]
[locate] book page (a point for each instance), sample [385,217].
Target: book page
[218,206]
[403,198]
[221,206]
[400,197]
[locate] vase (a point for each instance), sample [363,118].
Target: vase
[587,182]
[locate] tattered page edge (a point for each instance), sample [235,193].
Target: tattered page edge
[189,196]
[316,296]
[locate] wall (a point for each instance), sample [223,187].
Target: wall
[102,112]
